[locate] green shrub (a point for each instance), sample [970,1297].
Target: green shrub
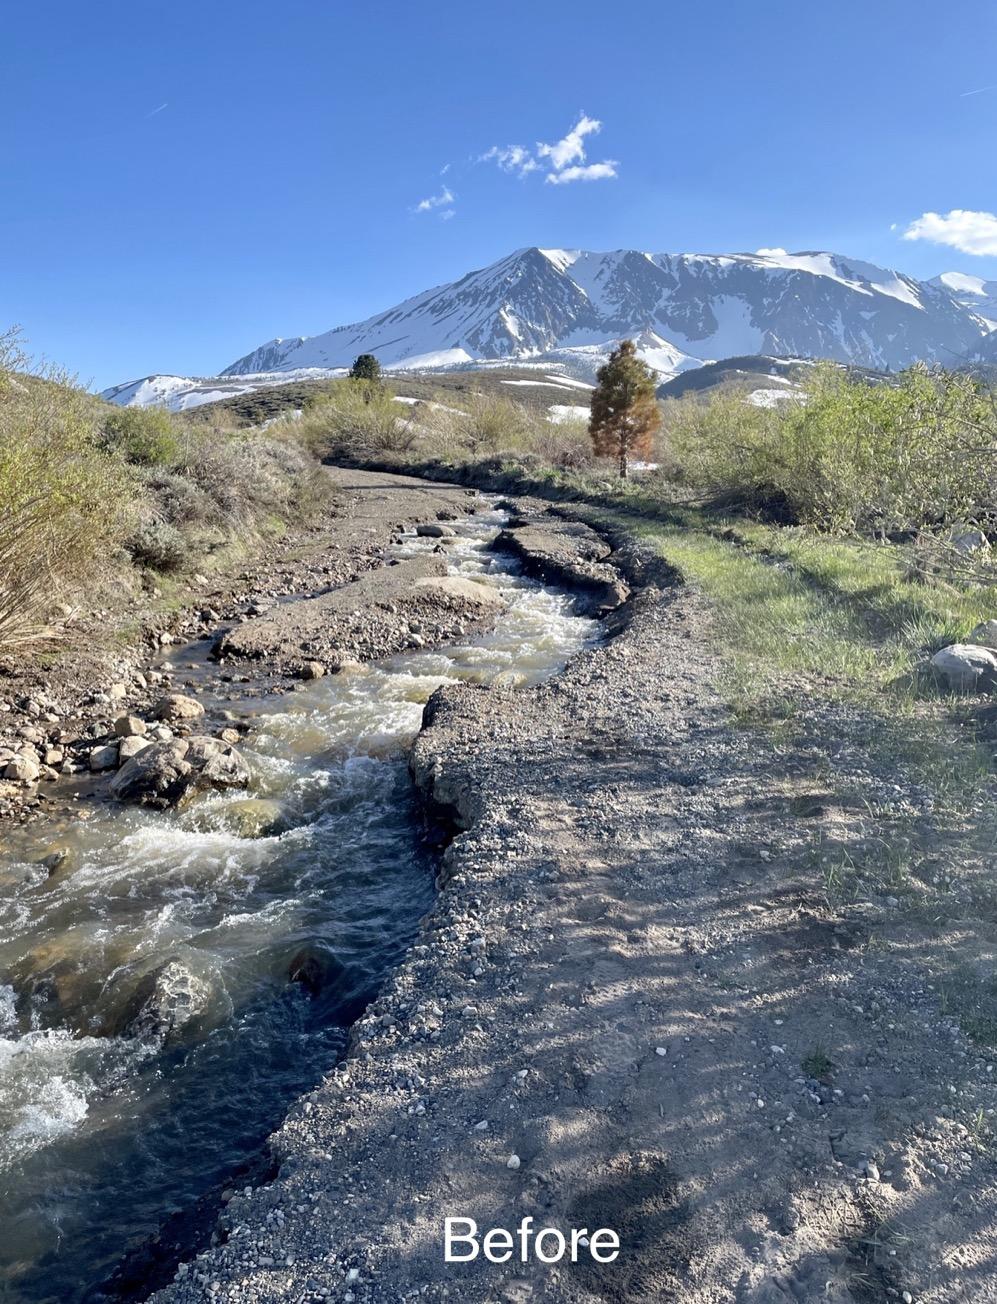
[146,436]
[888,459]
[357,416]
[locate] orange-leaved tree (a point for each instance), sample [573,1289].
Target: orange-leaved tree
[625,413]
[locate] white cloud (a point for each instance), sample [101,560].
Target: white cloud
[775,252]
[443,200]
[570,149]
[588,172]
[963,229]
[563,162]
[511,158]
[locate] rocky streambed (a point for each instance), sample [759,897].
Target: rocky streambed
[220,890]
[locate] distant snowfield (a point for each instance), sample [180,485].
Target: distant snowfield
[561,412]
[770,398]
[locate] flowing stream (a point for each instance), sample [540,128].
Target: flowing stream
[151,1035]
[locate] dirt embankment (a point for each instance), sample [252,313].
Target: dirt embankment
[635,1006]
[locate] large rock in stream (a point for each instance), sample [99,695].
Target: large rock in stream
[165,774]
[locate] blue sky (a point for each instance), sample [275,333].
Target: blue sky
[181,181]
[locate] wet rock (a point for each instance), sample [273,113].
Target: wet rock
[177,708]
[966,668]
[158,776]
[434,530]
[164,774]
[163,1004]
[201,747]
[224,769]
[312,670]
[254,817]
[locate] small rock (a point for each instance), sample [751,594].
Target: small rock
[513,1161]
[312,670]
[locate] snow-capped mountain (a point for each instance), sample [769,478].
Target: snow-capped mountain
[698,306]
[972,292]
[568,308]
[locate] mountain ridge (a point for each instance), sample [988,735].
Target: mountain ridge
[569,307]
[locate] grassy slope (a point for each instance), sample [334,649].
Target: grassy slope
[445,387]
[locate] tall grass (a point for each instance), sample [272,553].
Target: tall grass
[62,503]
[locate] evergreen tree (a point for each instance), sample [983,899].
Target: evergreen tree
[366,368]
[625,414]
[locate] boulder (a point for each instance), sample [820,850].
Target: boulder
[225,769]
[434,530]
[158,776]
[967,540]
[129,726]
[312,670]
[162,1005]
[177,708]
[104,758]
[131,746]
[164,774]
[985,634]
[200,747]
[967,668]
[22,769]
